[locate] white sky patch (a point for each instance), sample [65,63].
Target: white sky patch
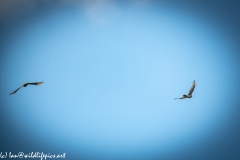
[101,12]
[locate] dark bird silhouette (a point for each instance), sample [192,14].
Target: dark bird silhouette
[25,85]
[189,93]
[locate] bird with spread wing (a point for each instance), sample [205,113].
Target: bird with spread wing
[189,93]
[25,85]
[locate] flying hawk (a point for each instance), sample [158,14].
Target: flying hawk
[25,85]
[189,93]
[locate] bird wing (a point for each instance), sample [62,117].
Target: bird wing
[179,98]
[192,88]
[35,83]
[15,91]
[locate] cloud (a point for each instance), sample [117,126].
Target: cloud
[101,12]
[98,11]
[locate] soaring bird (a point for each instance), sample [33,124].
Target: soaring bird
[25,85]
[189,93]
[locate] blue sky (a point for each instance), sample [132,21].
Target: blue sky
[110,75]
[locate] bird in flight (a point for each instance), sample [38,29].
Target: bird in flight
[189,93]
[25,85]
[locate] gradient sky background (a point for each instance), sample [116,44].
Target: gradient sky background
[111,71]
